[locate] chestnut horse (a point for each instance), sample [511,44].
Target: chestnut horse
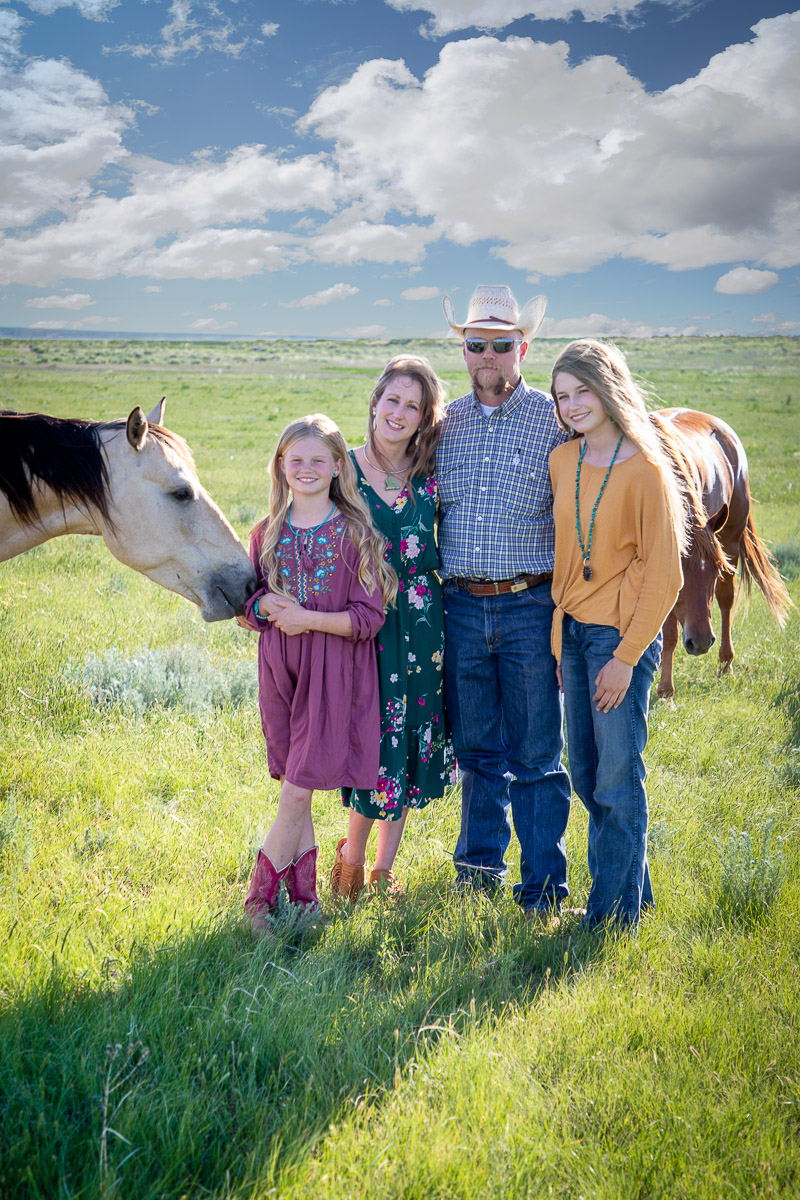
[134,484]
[713,462]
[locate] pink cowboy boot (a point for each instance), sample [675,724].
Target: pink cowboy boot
[301,881]
[262,899]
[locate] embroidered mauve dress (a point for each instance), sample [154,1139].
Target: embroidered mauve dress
[318,692]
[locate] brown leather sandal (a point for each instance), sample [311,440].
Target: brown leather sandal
[382,882]
[346,881]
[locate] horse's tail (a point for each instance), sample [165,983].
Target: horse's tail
[758,565]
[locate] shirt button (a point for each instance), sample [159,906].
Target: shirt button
[480,518]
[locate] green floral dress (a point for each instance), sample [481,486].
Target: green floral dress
[416,750]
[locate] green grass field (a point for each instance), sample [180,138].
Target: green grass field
[435,1048]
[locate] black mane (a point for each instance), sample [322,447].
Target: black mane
[64,455]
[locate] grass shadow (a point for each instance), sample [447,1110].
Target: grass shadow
[217,1063]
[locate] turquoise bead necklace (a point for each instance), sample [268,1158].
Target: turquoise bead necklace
[587,550]
[306,536]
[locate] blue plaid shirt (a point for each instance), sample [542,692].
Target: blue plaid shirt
[496,516]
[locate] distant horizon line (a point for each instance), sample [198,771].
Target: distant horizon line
[13,332]
[26,332]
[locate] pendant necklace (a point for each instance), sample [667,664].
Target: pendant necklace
[586,550]
[392,484]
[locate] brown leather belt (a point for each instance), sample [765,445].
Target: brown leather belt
[499,587]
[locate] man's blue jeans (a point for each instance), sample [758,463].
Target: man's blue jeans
[607,768]
[505,712]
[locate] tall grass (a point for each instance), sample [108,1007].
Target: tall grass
[439,1047]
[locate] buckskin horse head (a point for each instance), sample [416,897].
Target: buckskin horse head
[133,483]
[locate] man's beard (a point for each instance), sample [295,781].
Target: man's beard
[497,388]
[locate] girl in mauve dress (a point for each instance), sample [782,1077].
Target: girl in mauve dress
[322,588]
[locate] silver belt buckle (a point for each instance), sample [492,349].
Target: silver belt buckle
[519,586]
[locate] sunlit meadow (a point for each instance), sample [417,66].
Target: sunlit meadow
[436,1047]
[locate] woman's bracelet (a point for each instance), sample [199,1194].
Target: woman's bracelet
[259,616]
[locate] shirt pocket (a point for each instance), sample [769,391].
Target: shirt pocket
[530,495]
[453,483]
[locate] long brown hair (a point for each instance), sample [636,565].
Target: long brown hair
[425,441]
[603,368]
[373,570]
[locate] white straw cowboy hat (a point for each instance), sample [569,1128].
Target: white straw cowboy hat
[495,307]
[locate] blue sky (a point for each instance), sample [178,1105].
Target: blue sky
[333,167]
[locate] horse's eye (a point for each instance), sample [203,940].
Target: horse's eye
[182,494]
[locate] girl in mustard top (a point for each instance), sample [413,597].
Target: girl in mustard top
[620,529]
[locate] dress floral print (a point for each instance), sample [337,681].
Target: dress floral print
[416,751]
[308,558]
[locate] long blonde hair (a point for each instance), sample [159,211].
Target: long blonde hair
[603,368]
[425,441]
[373,570]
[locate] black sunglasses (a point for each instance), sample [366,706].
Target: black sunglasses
[499,345]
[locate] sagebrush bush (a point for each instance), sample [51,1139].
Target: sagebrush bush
[172,677]
[751,872]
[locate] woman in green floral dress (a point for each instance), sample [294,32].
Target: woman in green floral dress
[395,470]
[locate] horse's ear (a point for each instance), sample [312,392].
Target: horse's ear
[137,428]
[718,520]
[156,417]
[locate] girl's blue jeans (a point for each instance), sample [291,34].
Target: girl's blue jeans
[606,765]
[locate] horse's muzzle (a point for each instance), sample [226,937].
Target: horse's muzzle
[698,645]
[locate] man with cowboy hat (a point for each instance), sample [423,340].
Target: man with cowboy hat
[496,543]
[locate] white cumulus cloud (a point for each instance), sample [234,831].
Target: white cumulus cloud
[598,325]
[75,301]
[421,293]
[362,331]
[57,132]
[772,325]
[447,16]
[10,32]
[743,281]
[95,321]
[192,29]
[168,225]
[95,10]
[339,291]
[351,238]
[210,325]
[706,172]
